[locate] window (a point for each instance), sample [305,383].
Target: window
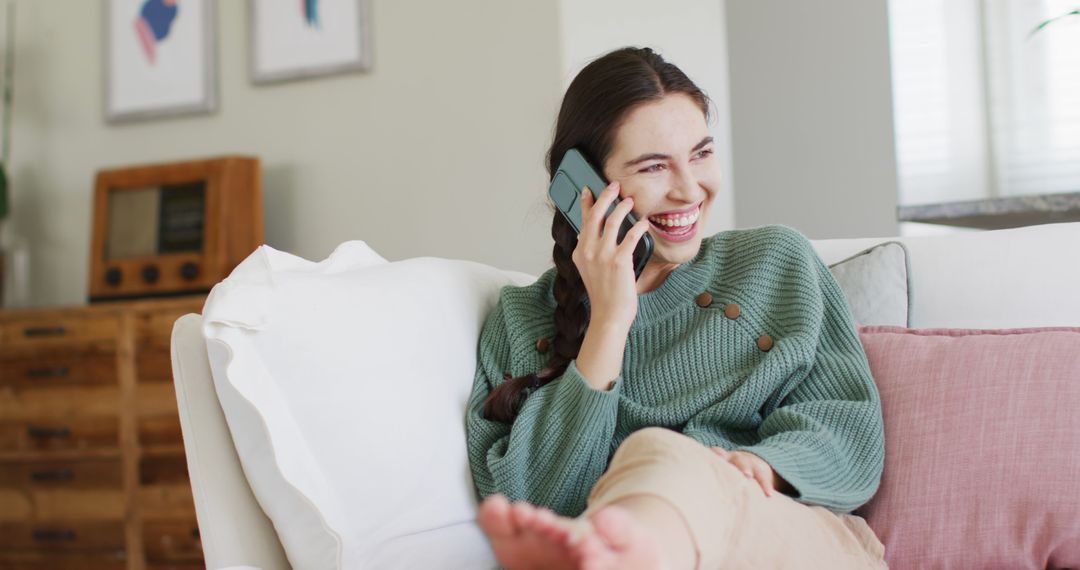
[982,108]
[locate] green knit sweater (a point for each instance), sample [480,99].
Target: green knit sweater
[808,405]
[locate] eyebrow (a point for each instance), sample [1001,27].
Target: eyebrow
[657,156]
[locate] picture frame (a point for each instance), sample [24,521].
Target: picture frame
[300,39]
[160,58]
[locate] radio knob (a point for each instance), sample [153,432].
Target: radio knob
[189,270]
[113,276]
[150,273]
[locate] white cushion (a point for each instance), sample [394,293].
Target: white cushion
[343,383]
[1015,278]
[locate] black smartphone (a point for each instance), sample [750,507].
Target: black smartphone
[576,173]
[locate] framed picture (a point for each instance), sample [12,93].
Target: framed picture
[159,58]
[295,39]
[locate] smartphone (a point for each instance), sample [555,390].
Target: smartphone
[574,174]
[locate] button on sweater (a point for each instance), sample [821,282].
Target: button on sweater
[804,401]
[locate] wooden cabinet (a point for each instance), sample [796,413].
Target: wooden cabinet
[92,466]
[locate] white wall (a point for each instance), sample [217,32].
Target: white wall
[811,107]
[688,33]
[438,151]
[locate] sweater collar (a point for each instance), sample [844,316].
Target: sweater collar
[681,287]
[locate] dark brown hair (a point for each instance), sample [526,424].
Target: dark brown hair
[596,102]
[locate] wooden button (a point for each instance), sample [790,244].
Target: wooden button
[732,311]
[764,342]
[704,299]
[542,345]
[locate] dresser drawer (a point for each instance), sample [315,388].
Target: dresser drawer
[62,536]
[28,336]
[166,502]
[88,505]
[168,541]
[61,402]
[163,469]
[38,560]
[58,370]
[154,365]
[49,434]
[160,430]
[78,474]
[154,328]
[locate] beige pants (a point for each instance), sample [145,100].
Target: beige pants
[733,525]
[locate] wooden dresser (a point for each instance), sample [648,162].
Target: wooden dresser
[92,467]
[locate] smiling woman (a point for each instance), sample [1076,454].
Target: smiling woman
[718,411]
[663,158]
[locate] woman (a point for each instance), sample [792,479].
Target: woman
[716,412]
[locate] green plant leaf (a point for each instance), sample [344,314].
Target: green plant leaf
[1075,12]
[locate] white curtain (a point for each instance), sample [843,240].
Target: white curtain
[983,109]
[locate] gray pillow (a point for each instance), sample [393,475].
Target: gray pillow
[877,284]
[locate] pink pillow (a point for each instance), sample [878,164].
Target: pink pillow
[982,447]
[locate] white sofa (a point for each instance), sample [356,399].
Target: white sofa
[1027,277]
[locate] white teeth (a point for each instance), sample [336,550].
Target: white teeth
[676,222]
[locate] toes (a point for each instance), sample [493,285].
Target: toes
[552,527]
[615,525]
[522,515]
[494,516]
[590,553]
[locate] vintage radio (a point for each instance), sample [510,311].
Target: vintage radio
[173,229]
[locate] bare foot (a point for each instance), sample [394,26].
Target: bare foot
[526,537]
[617,541]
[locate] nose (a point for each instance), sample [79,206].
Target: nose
[685,186]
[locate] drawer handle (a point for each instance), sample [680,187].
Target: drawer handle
[48,432]
[53,475]
[195,532]
[44,331]
[50,534]
[48,372]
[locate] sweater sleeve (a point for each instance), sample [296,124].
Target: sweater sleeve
[559,444]
[826,435]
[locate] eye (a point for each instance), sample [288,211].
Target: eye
[653,168]
[704,152]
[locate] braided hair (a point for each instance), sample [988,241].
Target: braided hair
[597,101]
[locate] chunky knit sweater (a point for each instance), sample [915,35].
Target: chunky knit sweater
[701,364]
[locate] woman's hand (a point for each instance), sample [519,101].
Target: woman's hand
[755,468]
[607,268]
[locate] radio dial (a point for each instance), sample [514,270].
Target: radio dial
[113,276]
[189,271]
[150,273]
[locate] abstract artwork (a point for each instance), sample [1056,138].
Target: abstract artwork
[294,39]
[159,58]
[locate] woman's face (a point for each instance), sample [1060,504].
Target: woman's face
[663,157]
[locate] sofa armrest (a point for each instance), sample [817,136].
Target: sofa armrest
[234,530]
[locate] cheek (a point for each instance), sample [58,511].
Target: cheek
[646,194]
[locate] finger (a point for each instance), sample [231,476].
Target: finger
[764,478]
[586,206]
[760,471]
[742,464]
[611,225]
[629,244]
[600,207]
